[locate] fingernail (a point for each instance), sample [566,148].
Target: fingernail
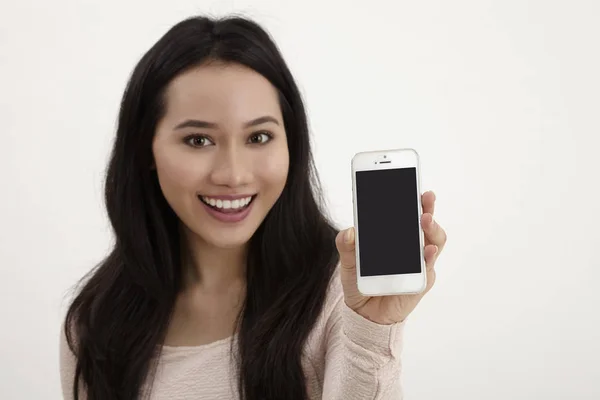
[432,223]
[349,234]
[436,250]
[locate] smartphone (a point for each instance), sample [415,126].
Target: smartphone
[387,213]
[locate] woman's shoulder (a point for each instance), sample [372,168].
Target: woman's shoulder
[67,361]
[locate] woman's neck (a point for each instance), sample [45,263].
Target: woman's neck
[209,268]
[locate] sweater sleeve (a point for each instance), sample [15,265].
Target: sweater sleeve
[362,358]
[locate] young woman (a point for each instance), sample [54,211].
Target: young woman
[226,279]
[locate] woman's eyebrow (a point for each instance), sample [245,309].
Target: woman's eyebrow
[196,123]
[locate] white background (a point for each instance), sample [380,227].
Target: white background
[501,99]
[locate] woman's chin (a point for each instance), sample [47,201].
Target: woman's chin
[226,240]
[228,244]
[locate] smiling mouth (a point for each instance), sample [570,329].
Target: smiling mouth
[228,206]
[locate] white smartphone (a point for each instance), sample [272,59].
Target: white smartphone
[387,214]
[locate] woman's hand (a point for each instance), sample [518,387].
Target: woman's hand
[387,310]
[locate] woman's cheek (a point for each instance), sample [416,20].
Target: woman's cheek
[273,166]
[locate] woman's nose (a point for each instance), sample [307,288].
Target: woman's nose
[231,169]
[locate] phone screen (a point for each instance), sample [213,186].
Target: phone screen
[388,222]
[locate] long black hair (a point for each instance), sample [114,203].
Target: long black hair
[118,320]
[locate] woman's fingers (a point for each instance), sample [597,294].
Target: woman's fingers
[428,202]
[431,251]
[434,233]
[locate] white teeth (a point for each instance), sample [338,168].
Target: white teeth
[227,204]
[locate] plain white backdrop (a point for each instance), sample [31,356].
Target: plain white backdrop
[501,98]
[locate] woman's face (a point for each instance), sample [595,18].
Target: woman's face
[221,152]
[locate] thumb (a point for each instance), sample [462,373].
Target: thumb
[345,246]
[345,243]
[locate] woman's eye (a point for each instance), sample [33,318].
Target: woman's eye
[260,138]
[198,141]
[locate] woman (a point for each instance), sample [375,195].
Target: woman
[224,280]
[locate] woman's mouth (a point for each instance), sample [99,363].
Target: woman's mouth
[228,210]
[228,206]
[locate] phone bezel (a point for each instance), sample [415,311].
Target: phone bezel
[382,285]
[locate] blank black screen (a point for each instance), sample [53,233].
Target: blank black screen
[388,222]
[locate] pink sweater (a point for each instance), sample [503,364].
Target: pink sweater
[347,357]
